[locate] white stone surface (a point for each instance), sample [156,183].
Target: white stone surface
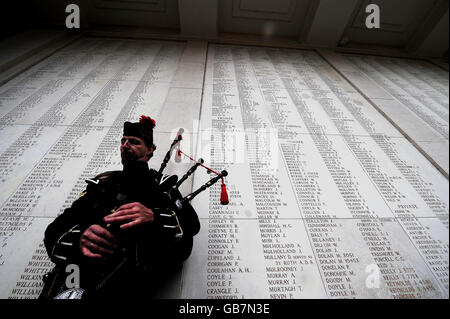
[411,93]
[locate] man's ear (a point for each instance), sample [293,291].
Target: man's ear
[150,151]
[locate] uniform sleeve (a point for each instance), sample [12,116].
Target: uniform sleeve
[172,239]
[62,236]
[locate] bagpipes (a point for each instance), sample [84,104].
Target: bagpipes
[170,186]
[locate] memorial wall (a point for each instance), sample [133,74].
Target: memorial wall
[328,199]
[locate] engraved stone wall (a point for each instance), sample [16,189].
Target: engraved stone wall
[327,198]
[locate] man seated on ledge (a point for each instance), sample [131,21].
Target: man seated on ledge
[122,231]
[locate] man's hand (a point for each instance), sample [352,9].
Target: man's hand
[131,215]
[97,242]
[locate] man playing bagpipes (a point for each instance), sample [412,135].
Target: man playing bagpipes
[129,231]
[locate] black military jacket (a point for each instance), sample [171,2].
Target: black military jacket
[152,252]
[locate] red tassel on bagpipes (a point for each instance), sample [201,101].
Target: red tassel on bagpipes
[224,194]
[178,155]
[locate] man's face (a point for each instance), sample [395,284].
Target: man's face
[133,149]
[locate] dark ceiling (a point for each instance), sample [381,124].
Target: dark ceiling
[416,26]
